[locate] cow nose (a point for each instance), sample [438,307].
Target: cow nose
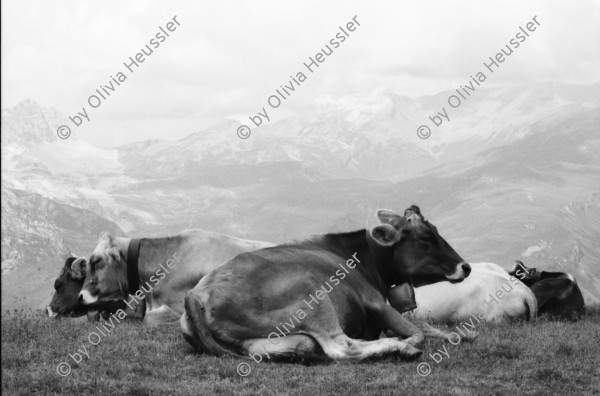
[48,310]
[466,269]
[80,298]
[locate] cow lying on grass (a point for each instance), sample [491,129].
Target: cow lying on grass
[156,272]
[65,301]
[489,293]
[557,293]
[328,293]
[440,301]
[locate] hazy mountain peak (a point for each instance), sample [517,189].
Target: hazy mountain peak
[27,123]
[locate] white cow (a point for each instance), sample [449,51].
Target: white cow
[489,294]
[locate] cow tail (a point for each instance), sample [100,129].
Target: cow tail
[203,340]
[531,302]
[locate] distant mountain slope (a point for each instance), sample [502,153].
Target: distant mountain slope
[514,174]
[29,237]
[37,235]
[537,199]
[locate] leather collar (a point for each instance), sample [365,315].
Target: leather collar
[133,276]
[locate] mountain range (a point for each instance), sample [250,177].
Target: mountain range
[514,174]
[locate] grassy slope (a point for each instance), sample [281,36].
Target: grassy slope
[520,358]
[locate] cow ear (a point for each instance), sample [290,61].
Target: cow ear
[385,234]
[79,269]
[389,217]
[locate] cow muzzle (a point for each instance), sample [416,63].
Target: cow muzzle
[50,312]
[462,271]
[86,298]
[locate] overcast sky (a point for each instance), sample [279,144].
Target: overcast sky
[226,58]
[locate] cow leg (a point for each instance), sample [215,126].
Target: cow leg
[433,332]
[340,346]
[398,324]
[187,329]
[430,331]
[337,345]
[326,330]
[291,346]
[161,315]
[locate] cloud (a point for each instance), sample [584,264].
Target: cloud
[226,58]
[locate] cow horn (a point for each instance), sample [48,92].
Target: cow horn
[79,268]
[413,214]
[412,209]
[518,263]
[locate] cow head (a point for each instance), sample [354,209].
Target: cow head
[106,279]
[65,301]
[419,253]
[521,272]
[67,286]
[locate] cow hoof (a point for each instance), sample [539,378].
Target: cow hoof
[411,353]
[414,341]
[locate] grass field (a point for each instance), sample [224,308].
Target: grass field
[543,358]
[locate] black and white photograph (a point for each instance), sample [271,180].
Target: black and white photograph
[300,197]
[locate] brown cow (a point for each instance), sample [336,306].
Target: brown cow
[321,297]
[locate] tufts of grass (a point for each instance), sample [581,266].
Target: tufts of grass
[545,357]
[564,350]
